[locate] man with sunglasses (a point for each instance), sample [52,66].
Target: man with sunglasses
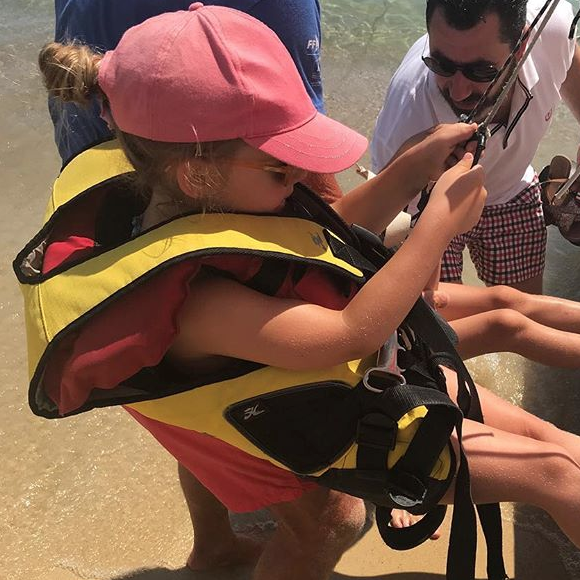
[444,75]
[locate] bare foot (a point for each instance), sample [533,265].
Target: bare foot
[403,519]
[241,550]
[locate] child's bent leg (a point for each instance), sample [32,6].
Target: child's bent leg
[507,330]
[504,416]
[515,468]
[465,300]
[214,543]
[313,533]
[547,310]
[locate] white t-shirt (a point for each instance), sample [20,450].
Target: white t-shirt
[413,103]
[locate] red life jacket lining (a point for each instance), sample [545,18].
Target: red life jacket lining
[136,330]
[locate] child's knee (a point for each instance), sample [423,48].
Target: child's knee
[558,470]
[507,322]
[505,296]
[345,519]
[331,519]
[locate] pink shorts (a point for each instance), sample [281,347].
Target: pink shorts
[507,246]
[243,483]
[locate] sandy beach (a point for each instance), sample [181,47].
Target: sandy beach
[369,559]
[94,497]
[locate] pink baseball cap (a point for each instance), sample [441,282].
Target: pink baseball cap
[213,73]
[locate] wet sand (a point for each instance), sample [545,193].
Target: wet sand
[368,559]
[94,497]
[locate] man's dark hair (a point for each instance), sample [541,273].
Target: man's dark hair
[465,14]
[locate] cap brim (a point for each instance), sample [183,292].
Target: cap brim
[321,145]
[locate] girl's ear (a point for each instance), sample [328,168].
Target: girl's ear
[188,176]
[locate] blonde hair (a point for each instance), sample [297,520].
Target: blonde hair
[70,73]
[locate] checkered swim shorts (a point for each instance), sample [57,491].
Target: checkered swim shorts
[508,245]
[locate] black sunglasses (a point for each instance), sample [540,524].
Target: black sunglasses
[478,73]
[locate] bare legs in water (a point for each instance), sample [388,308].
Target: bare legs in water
[544,329]
[513,444]
[315,530]
[216,545]
[312,534]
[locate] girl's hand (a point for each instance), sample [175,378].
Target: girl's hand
[457,199]
[432,152]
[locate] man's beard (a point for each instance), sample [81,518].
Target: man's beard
[470,103]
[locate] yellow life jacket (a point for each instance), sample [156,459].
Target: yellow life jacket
[356,427]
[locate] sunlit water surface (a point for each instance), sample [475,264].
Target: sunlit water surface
[94,496]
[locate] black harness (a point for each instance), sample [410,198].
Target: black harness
[381,399]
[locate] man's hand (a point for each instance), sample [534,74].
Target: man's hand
[432,152]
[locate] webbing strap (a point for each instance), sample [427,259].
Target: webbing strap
[406,484]
[463,540]
[463,536]
[490,518]
[468,402]
[411,536]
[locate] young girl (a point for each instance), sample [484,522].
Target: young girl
[213,116]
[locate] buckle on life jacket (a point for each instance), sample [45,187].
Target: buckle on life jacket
[377,431]
[386,373]
[376,437]
[378,379]
[413,489]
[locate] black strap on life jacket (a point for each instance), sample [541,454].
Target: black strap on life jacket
[414,468]
[428,326]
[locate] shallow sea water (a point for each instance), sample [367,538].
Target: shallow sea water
[95,496]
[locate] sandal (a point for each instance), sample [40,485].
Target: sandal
[562,211]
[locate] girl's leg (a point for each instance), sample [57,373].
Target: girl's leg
[462,301]
[313,532]
[518,457]
[547,310]
[215,543]
[509,467]
[507,330]
[503,416]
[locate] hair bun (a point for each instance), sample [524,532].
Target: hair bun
[70,71]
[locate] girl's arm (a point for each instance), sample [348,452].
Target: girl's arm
[423,158]
[223,317]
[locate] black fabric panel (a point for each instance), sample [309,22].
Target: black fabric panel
[305,427]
